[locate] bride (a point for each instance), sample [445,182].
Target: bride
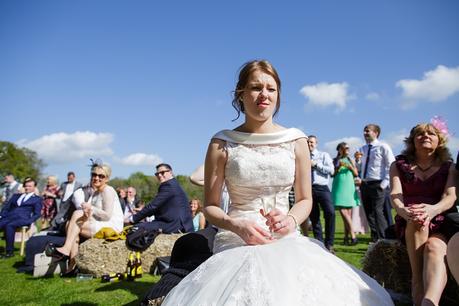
[259,257]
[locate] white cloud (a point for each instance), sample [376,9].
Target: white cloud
[140,159]
[64,147]
[354,143]
[372,96]
[395,140]
[436,85]
[327,94]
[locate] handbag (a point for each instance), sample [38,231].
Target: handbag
[140,238]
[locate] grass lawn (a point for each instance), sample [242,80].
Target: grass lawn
[23,289]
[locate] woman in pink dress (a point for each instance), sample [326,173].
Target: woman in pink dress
[423,192]
[49,194]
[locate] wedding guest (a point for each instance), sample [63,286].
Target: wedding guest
[11,187]
[67,189]
[20,210]
[103,210]
[199,221]
[376,160]
[49,195]
[359,219]
[321,168]
[343,190]
[422,192]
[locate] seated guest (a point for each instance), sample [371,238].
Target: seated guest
[199,221]
[423,192]
[133,204]
[20,210]
[122,194]
[56,233]
[103,210]
[170,206]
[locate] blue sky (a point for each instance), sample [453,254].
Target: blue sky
[138,82]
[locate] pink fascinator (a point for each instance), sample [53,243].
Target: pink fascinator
[440,124]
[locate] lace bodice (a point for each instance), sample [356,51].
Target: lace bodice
[258,165]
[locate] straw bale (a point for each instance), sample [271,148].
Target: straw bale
[97,256]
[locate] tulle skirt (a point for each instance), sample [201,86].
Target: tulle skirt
[295,270]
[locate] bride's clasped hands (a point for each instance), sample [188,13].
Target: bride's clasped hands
[251,232]
[279,223]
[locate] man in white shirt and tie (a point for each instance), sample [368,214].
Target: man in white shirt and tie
[321,170]
[376,160]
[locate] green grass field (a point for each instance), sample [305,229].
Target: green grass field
[23,289]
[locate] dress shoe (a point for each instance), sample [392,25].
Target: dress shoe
[331,249]
[71,273]
[51,251]
[7,255]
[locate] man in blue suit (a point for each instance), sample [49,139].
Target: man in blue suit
[170,206]
[20,210]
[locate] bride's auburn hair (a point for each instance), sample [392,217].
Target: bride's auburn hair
[441,152]
[244,74]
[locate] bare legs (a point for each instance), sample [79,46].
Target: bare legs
[427,260]
[78,225]
[435,275]
[346,214]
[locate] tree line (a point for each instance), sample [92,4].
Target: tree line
[22,163]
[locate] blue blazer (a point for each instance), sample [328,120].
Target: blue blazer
[29,211]
[170,208]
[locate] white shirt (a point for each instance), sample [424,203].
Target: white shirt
[381,157]
[78,198]
[323,169]
[68,190]
[24,197]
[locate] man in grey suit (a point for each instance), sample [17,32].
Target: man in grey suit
[65,208]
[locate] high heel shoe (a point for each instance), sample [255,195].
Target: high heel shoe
[354,241]
[51,251]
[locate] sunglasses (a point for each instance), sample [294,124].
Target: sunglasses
[100,176]
[161,172]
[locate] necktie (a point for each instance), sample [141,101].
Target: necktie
[366,162]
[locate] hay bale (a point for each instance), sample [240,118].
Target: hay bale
[97,256]
[387,262]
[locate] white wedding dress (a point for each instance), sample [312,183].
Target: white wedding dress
[294,270]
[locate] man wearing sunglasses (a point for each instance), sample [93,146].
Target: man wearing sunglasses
[170,206]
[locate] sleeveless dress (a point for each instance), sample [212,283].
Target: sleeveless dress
[294,270]
[416,191]
[344,193]
[49,208]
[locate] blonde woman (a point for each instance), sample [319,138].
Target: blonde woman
[49,195]
[199,221]
[102,210]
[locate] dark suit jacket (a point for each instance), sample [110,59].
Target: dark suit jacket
[29,211]
[170,207]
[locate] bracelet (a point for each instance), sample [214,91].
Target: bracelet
[294,219]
